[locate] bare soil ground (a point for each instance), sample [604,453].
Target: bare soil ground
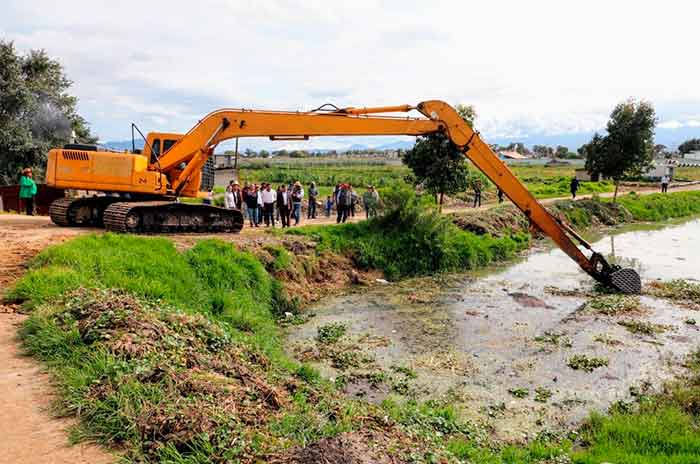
[29,432]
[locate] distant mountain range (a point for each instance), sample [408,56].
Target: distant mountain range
[666,136]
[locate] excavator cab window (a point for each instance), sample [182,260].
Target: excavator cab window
[155,151]
[167,144]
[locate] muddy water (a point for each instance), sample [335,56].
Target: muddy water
[483,340]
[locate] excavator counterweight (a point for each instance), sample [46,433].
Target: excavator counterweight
[148,184]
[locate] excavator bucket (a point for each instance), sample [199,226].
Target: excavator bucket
[626,280]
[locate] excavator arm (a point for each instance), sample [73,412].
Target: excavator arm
[197,145]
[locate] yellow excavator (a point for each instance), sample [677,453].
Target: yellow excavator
[143,187]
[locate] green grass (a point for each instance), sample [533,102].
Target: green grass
[661,207]
[658,429]
[410,240]
[210,278]
[656,435]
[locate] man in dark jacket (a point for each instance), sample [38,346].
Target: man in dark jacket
[284,204]
[341,196]
[251,201]
[313,198]
[574,187]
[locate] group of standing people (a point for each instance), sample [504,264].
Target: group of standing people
[264,205]
[346,201]
[261,204]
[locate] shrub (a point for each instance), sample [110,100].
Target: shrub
[412,239]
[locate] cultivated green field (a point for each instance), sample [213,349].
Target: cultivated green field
[543,181]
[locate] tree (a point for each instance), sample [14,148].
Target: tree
[689,145]
[543,151]
[36,111]
[438,164]
[561,152]
[466,112]
[660,150]
[518,147]
[627,149]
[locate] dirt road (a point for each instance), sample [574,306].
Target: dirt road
[28,433]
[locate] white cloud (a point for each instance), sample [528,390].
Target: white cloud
[675,124]
[672,124]
[541,66]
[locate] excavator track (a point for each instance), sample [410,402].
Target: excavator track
[170,217]
[80,212]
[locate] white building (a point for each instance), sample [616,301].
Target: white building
[662,167]
[693,155]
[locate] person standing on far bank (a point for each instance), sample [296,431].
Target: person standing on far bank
[664,183]
[477,193]
[27,191]
[574,187]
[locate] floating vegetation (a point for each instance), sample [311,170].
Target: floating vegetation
[586,363]
[643,328]
[542,394]
[607,340]
[613,305]
[331,333]
[677,290]
[553,338]
[519,392]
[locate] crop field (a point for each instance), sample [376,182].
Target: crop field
[543,181]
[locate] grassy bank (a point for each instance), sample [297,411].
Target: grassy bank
[585,213]
[661,207]
[410,240]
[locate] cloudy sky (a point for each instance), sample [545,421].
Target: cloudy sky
[536,67]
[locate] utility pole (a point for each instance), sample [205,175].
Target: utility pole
[235,163]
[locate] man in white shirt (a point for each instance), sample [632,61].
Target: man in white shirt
[664,184]
[268,198]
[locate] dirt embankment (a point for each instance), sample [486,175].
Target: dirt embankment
[508,219]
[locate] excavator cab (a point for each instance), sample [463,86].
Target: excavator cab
[158,143]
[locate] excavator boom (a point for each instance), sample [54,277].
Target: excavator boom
[180,166]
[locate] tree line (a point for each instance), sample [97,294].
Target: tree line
[36,111]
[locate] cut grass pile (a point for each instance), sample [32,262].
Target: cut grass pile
[167,384]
